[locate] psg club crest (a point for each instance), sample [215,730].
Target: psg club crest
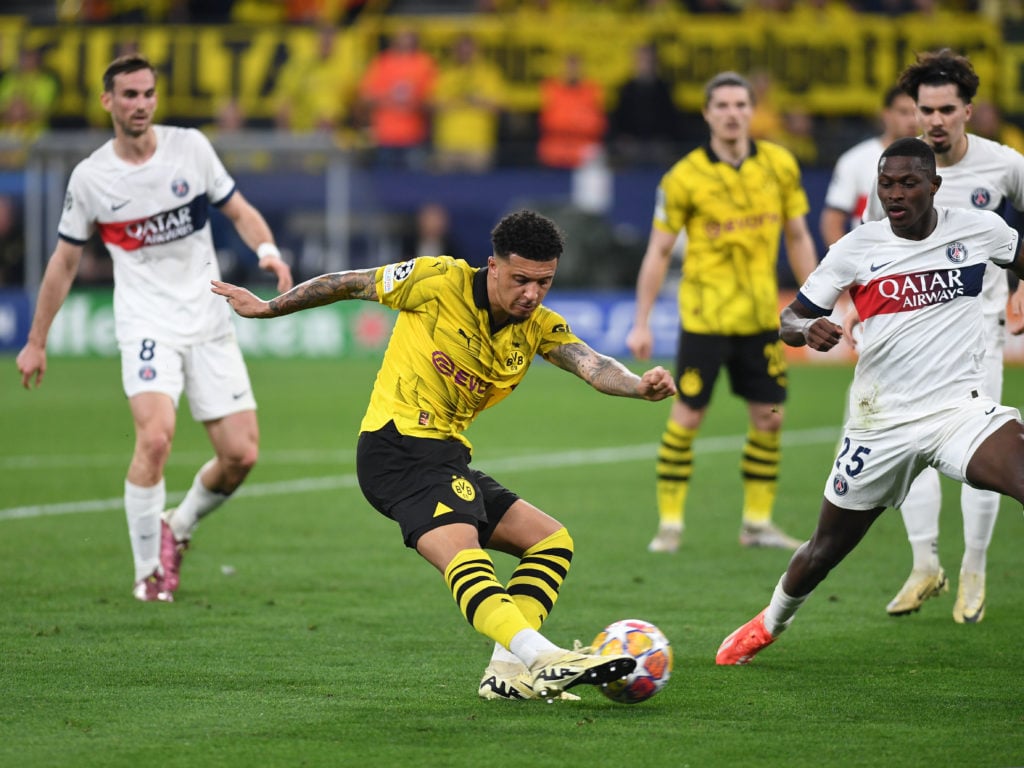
[179,187]
[147,373]
[956,252]
[980,197]
[839,485]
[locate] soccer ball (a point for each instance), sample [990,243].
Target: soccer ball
[652,651]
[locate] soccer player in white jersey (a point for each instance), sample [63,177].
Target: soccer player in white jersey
[148,193]
[853,179]
[918,396]
[977,173]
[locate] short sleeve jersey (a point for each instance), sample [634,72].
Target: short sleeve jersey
[446,361]
[154,220]
[733,219]
[853,180]
[986,176]
[919,303]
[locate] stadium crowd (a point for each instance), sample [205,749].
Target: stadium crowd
[402,102]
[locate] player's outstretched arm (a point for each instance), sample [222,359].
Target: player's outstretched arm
[800,326]
[608,375]
[315,292]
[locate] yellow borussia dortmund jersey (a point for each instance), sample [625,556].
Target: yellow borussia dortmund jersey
[733,219]
[445,361]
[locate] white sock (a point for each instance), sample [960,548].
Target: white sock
[142,507]
[528,644]
[781,610]
[980,509]
[501,653]
[975,560]
[926,554]
[920,512]
[197,504]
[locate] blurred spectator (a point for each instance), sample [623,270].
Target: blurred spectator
[645,121]
[767,122]
[986,121]
[798,135]
[28,95]
[117,11]
[257,11]
[792,127]
[395,94]
[884,7]
[712,6]
[209,11]
[316,89]
[430,235]
[12,243]
[572,120]
[335,12]
[467,104]
[768,6]
[231,119]
[824,13]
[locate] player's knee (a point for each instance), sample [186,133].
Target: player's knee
[237,460]
[153,447]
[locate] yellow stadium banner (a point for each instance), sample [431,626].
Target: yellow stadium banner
[833,65]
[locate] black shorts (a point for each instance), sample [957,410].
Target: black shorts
[422,484]
[756,366]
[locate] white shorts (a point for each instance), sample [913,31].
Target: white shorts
[875,467]
[212,374]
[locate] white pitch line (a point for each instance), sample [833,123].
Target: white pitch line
[527,462]
[78,461]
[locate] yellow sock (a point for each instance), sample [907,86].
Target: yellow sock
[481,598]
[536,580]
[674,467]
[760,469]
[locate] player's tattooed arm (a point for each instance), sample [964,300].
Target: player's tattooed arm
[325,289]
[608,375]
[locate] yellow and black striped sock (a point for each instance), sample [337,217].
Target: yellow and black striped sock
[536,580]
[674,467]
[760,469]
[481,598]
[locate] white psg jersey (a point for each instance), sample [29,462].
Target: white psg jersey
[154,219]
[918,300]
[987,175]
[854,179]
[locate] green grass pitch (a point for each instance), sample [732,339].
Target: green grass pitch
[304,633]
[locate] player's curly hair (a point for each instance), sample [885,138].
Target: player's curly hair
[123,65]
[527,234]
[943,67]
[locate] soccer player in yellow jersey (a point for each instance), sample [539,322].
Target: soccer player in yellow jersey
[463,340]
[734,197]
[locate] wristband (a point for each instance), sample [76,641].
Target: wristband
[267,250]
